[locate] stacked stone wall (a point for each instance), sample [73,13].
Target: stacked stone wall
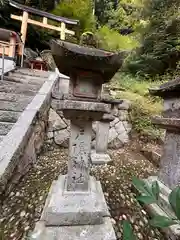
[119,132]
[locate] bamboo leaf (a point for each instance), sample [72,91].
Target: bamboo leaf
[141,186]
[174,199]
[146,199]
[162,222]
[128,231]
[155,189]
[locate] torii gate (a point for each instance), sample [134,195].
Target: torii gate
[29,10]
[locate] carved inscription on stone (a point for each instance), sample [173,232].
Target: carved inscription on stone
[80,145]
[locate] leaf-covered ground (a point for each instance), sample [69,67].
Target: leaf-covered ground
[23,207]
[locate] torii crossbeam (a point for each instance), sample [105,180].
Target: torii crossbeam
[29,10]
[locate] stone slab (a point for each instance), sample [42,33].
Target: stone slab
[1,138]
[5,127]
[17,88]
[13,97]
[18,106]
[23,86]
[100,158]
[9,116]
[81,105]
[74,208]
[25,80]
[33,72]
[103,231]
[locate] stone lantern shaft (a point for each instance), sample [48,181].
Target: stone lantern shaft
[79,151]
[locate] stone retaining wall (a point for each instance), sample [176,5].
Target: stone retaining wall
[20,147]
[119,133]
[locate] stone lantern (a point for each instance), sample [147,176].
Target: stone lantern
[169,172]
[76,208]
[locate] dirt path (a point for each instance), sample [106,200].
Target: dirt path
[22,208]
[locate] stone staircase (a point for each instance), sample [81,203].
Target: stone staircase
[25,98]
[16,91]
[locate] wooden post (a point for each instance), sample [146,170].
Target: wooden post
[44,20]
[12,46]
[63,28]
[24,27]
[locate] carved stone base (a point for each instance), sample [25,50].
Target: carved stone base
[103,231]
[64,208]
[164,209]
[100,158]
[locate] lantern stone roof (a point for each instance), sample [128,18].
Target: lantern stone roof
[167,90]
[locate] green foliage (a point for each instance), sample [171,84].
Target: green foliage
[160,40]
[77,9]
[156,190]
[111,40]
[150,194]
[103,9]
[174,199]
[143,105]
[162,221]
[127,231]
[126,15]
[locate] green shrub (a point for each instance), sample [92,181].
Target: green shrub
[77,9]
[111,40]
[160,43]
[143,107]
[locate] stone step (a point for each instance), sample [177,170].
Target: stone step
[9,116]
[12,97]
[25,89]
[27,85]
[32,72]
[5,127]
[28,80]
[27,76]
[1,138]
[18,106]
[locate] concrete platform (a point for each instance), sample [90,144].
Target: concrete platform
[103,231]
[64,208]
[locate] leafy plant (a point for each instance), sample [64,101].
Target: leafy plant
[128,231]
[110,39]
[150,195]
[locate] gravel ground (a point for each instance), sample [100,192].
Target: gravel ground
[22,208]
